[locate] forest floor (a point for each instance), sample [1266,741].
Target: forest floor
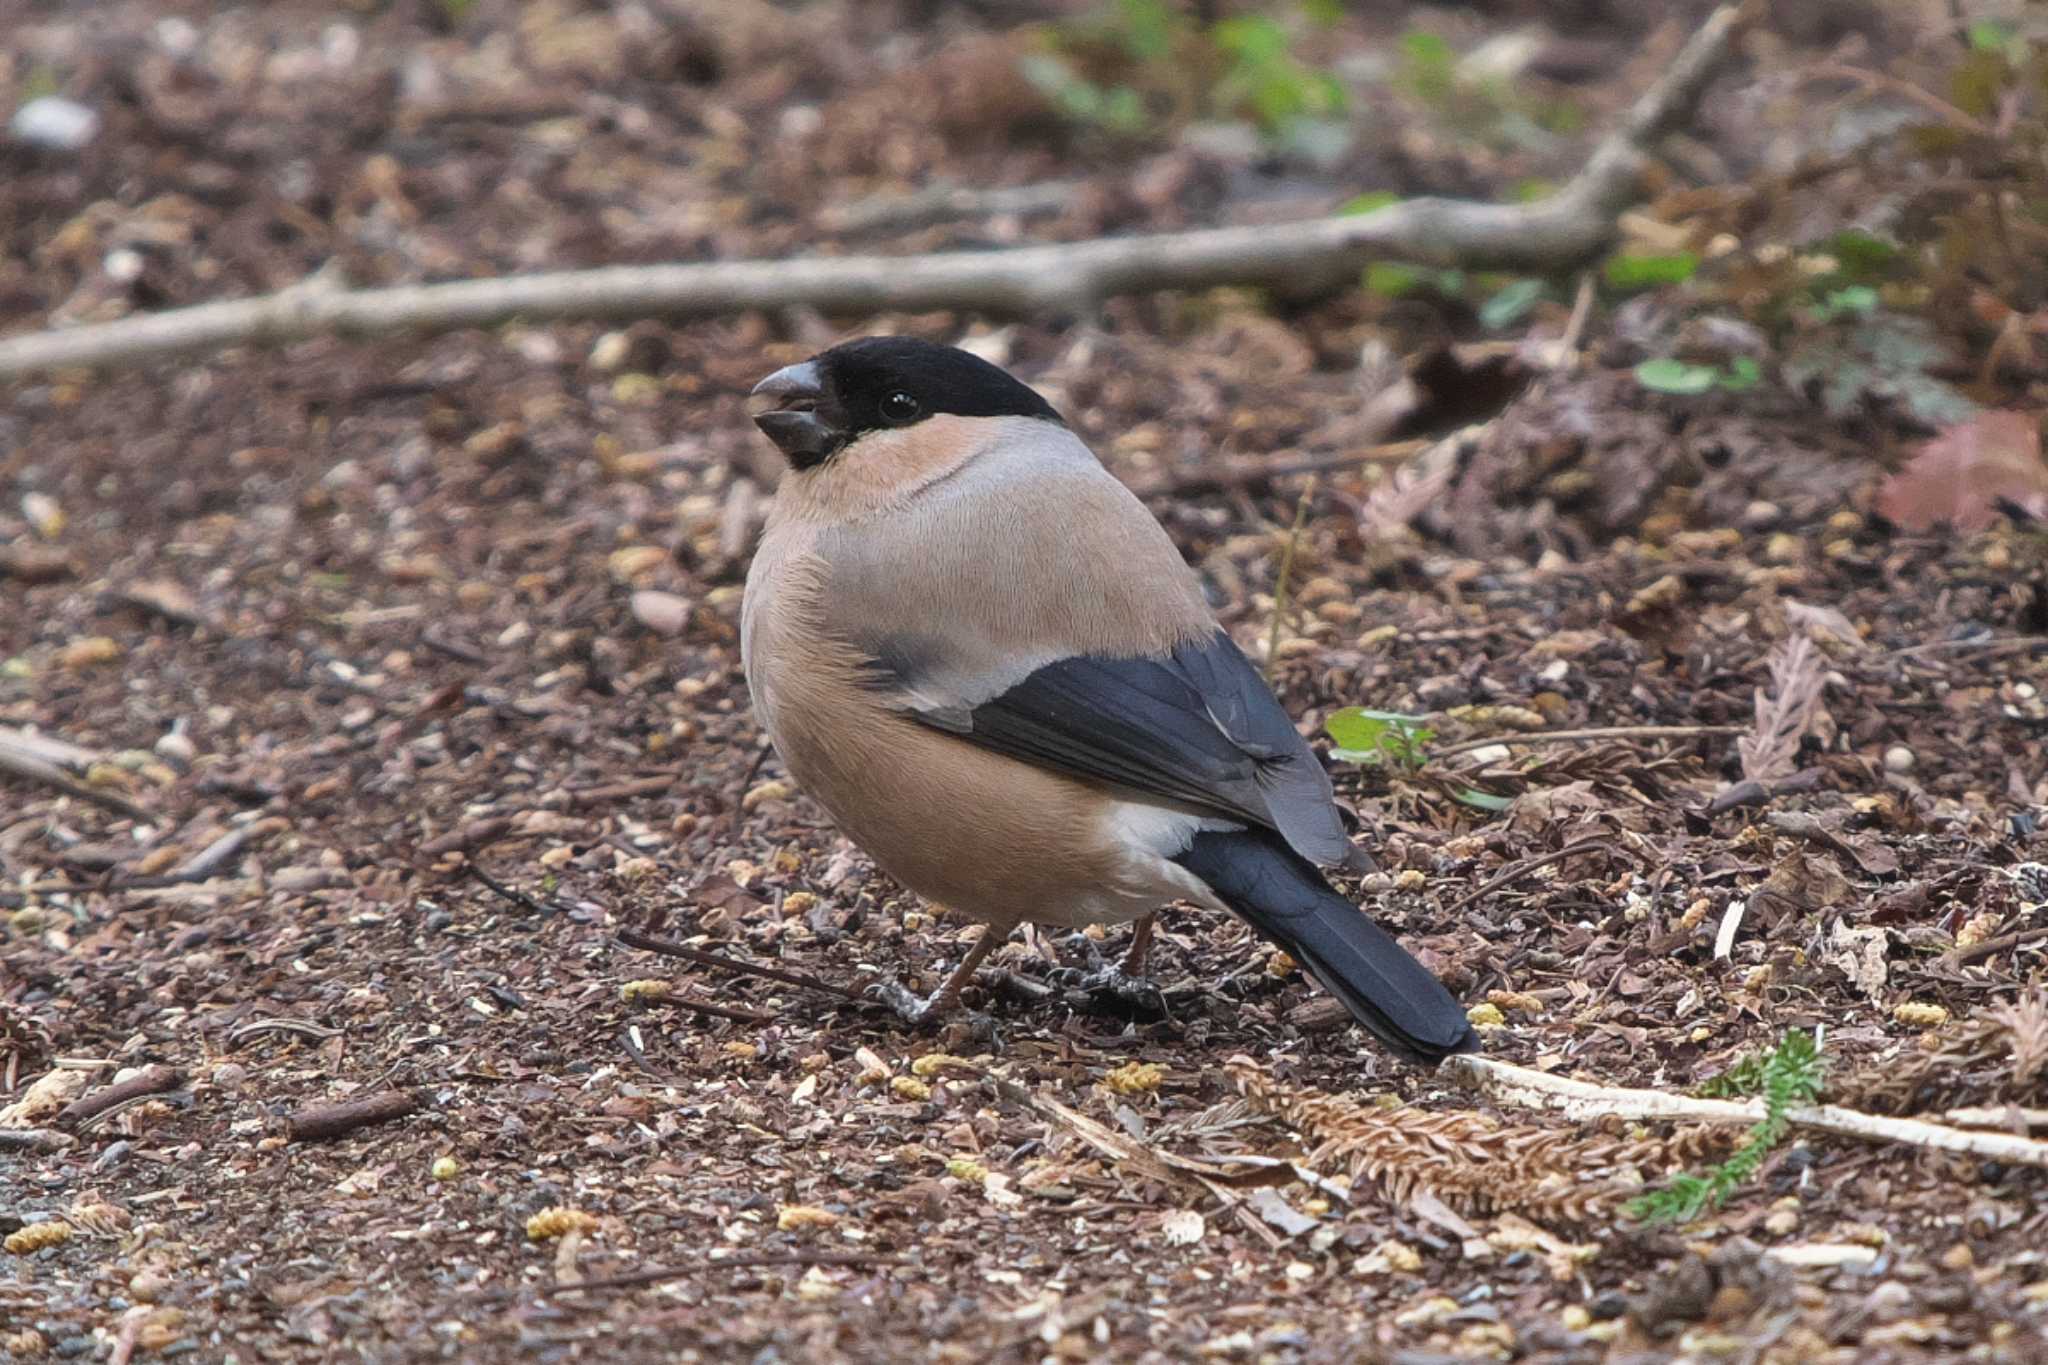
[441,635]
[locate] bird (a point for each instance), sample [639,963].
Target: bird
[979,652]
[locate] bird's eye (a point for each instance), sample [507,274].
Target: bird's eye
[900,408]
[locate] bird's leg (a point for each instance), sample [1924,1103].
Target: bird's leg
[1108,981]
[914,1009]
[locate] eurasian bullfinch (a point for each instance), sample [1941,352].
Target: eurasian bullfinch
[983,656]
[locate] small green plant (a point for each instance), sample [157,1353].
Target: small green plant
[1667,374]
[1786,1079]
[1386,738]
[1135,62]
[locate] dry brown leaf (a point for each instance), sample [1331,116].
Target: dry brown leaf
[1961,476]
[1783,716]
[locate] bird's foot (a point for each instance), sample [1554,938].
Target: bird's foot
[913,1009]
[928,1011]
[1105,983]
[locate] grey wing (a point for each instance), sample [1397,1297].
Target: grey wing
[1197,727]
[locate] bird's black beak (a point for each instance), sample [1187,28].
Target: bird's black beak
[791,415]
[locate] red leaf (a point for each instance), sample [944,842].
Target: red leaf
[1959,477]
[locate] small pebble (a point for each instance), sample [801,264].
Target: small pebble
[1899,759]
[55,124]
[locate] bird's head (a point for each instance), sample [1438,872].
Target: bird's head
[823,408]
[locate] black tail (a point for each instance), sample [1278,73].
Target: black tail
[1283,896]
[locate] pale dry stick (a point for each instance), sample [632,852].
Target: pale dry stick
[1588,735]
[33,767]
[1583,1100]
[1567,229]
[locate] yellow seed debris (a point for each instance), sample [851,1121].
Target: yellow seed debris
[1486,1015]
[646,991]
[558,1221]
[775,789]
[1519,1001]
[799,903]
[1408,879]
[742,1052]
[932,1063]
[36,1236]
[967,1169]
[446,1168]
[1978,928]
[89,652]
[633,561]
[1135,1078]
[1919,1014]
[796,1217]
[910,1088]
[1280,965]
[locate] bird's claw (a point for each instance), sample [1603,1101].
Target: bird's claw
[912,1008]
[1112,982]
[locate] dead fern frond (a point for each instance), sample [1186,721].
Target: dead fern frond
[1473,1163]
[1783,715]
[2025,1022]
[1997,1057]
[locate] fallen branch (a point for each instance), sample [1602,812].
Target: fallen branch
[151,1080]
[1554,234]
[320,1122]
[1582,1100]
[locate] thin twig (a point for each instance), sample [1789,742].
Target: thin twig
[1582,1100]
[756,1260]
[1283,580]
[622,791]
[1557,233]
[634,938]
[517,897]
[34,768]
[1582,736]
[717,1011]
[319,1122]
[1218,479]
[1992,947]
[1525,867]
[1903,89]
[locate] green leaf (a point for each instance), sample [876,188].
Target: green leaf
[1742,375]
[1323,12]
[1511,304]
[1364,736]
[1147,28]
[1391,279]
[1861,256]
[1645,272]
[1426,49]
[1370,202]
[1530,190]
[1989,35]
[1858,300]
[1667,374]
[1480,800]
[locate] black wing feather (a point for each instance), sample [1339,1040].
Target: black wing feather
[1198,727]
